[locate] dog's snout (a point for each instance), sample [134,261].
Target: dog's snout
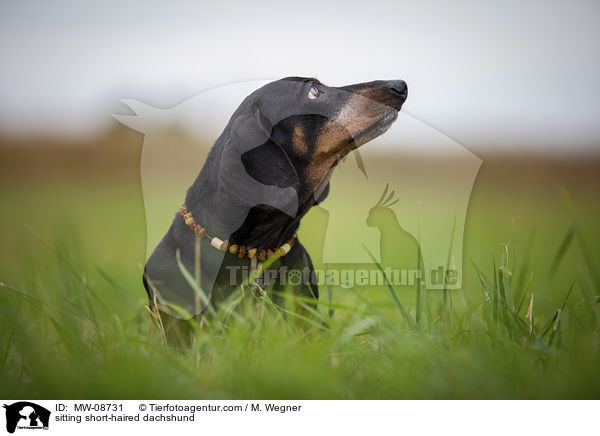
[398,87]
[395,92]
[389,92]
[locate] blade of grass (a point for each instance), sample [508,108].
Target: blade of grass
[561,251]
[403,311]
[192,282]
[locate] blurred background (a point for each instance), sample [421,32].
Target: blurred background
[514,83]
[494,76]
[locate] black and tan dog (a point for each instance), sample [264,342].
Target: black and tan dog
[270,165]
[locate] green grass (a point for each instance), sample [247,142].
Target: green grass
[73,323]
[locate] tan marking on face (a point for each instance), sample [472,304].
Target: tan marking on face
[299,141]
[335,138]
[369,93]
[332,142]
[360,113]
[317,169]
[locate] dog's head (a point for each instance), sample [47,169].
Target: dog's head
[291,132]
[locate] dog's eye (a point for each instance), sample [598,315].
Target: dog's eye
[313,93]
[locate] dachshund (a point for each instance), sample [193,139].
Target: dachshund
[270,165]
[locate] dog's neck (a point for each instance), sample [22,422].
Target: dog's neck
[268,227]
[263,226]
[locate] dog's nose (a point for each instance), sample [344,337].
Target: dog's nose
[398,87]
[389,92]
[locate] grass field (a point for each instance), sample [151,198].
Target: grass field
[526,323]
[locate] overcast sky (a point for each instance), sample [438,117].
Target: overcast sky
[497,73]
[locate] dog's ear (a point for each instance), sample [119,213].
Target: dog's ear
[270,165]
[254,169]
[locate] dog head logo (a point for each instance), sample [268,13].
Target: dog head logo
[26,415]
